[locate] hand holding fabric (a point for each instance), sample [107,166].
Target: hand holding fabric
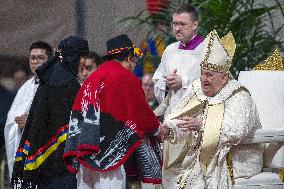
[164,131]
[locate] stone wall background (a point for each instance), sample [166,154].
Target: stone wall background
[25,21]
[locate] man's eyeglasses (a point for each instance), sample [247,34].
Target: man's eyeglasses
[179,24]
[40,58]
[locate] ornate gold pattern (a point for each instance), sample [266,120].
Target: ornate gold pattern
[273,62]
[183,179]
[181,184]
[211,135]
[229,45]
[229,159]
[216,67]
[281,174]
[208,50]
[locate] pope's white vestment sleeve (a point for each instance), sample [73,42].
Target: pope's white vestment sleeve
[241,118]
[241,115]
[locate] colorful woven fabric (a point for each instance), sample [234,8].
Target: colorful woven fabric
[109,123]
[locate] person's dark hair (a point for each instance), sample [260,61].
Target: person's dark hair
[187,8]
[123,55]
[42,45]
[95,58]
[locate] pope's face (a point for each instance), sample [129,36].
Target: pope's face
[184,28]
[212,82]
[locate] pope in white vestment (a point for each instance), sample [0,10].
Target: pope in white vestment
[206,128]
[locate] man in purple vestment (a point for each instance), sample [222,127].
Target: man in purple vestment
[180,61]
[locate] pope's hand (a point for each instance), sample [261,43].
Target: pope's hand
[164,131]
[190,124]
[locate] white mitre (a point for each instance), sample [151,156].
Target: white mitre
[218,52]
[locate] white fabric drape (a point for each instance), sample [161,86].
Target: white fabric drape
[88,179]
[21,105]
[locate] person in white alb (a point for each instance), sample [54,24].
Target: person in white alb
[180,61]
[38,54]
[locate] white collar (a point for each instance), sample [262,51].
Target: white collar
[221,96]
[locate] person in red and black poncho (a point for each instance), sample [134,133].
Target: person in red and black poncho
[112,129]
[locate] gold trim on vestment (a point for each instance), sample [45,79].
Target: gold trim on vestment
[228,44]
[193,108]
[281,173]
[211,135]
[229,159]
[273,62]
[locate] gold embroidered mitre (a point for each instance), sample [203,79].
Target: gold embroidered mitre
[218,52]
[273,62]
